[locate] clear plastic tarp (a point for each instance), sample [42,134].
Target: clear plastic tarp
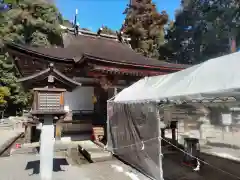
[134,135]
[133,131]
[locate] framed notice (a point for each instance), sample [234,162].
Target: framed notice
[227,119]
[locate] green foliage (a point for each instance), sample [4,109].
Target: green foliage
[4,94]
[29,22]
[12,92]
[67,23]
[202,30]
[32,22]
[107,30]
[145,26]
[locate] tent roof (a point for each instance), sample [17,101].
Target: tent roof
[208,79]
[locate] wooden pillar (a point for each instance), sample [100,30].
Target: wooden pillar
[100,109]
[58,131]
[96,105]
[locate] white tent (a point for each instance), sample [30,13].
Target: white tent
[134,116]
[207,79]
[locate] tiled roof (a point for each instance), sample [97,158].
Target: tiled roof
[98,48]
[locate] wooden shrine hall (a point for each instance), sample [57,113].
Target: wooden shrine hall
[99,63]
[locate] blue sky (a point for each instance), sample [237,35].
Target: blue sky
[95,13]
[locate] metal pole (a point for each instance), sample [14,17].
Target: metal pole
[159,125]
[46,148]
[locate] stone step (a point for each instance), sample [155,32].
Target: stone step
[93,152]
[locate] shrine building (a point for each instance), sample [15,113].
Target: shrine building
[91,66]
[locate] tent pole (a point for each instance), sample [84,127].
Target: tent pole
[160,145]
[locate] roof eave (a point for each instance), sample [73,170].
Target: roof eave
[80,59]
[36,54]
[87,56]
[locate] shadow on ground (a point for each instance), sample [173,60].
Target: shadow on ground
[57,163]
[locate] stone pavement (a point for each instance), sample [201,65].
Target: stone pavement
[26,167]
[6,135]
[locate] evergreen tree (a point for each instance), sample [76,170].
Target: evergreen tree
[85,29]
[15,98]
[145,26]
[202,30]
[107,30]
[4,94]
[67,23]
[32,22]
[184,35]
[35,23]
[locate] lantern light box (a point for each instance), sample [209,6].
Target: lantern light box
[48,101]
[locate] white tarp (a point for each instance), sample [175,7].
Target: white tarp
[213,76]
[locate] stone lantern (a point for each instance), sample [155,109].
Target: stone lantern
[48,107]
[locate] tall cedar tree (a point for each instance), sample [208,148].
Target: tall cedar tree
[35,23]
[32,22]
[202,30]
[145,26]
